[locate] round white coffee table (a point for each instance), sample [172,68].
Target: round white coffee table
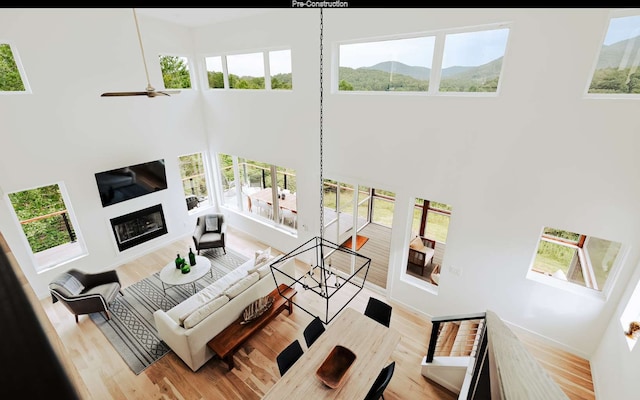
[172,276]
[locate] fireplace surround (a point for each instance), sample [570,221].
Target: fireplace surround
[138,227]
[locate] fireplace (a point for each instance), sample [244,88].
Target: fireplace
[138,227]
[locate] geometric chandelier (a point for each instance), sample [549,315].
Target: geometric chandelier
[334,291]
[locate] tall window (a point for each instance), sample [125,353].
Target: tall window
[280,69]
[48,225]
[175,72]
[11,78]
[264,191]
[194,180]
[580,259]
[616,71]
[429,231]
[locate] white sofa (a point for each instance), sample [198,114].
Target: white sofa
[190,343]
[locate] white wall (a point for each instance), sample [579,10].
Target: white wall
[539,154]
[65,132]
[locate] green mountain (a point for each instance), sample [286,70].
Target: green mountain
[611,56]
[393,75]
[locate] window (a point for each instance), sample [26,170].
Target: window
[264,191]
[472,61]
[194,180]
[246,71]
[48,225]
[390,65]
[175,72]
[215,74]
[429,227]
[576,258]
[616,70]
[270,70]
[280,69]
[465,62]
[11,77]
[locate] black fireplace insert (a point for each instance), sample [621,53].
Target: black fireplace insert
[138,227]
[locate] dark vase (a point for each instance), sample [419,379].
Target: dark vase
[192,257]
[179,261]
[185,269]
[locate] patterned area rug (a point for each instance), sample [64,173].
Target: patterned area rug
[131,329]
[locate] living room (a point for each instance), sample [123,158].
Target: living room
[498,160]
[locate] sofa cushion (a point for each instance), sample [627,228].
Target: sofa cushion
[203,312]
[242,285]
[67,285]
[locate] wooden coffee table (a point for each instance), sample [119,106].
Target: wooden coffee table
[172,276]
[233,336]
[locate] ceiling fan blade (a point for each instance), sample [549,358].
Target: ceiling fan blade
[168,92]
[111,94]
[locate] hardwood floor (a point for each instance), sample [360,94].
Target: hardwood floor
[106,375]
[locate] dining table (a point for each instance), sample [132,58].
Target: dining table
[289,202]
[371,342]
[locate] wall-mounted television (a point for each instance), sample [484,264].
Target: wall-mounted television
[130,182]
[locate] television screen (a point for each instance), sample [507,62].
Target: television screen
[130,182]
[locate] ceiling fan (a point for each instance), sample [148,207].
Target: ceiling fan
[150,91]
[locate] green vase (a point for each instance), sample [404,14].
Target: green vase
[186,269]
[179,261]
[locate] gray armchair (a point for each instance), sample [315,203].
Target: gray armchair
[84,293]
[209,232]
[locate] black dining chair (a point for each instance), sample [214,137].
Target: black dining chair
[289,356]
[378,311]
[313,331]
[381,382]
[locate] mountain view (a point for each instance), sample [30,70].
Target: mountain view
[616,70]
[396,76]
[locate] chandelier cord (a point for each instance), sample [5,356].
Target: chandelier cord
[321,144]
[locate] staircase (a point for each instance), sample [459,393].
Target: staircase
[453,348]
[479,358]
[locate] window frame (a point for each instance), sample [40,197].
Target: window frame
[266,68]
[626,96]
[436,66]
[190,64]
[205,165]
[567,285]
[80,249]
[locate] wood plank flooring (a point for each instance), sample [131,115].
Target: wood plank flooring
[106,375]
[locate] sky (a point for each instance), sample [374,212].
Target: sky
[461,49]
[622,28]
[252,64]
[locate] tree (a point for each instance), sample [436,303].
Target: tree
[175,72]
[11,80]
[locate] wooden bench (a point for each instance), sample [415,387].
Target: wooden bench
[227,342]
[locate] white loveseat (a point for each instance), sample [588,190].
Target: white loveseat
[208,312]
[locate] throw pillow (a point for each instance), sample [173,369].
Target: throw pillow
[211,223]
[242,285]
[261,256]
[70,283]
[203,312]
[416,244]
